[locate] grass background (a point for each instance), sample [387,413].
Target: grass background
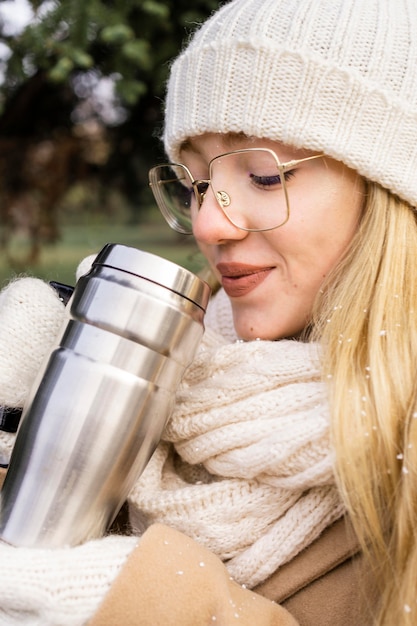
[78,240]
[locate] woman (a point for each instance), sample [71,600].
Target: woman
[292,129]
[341,271]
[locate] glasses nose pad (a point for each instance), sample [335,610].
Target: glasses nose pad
[201,189]
[223,199]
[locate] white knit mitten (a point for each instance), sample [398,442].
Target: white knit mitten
[39,587]
[85,266]
[59,587]
[31,315]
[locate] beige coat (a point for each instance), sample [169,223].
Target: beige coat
[191,587]
[322,586]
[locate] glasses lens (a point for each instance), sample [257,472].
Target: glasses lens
[250,190]
[173,191]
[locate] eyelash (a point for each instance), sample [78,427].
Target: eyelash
[270,181]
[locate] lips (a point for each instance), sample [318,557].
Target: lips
[239,279]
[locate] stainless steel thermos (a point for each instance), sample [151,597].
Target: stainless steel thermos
[98,408]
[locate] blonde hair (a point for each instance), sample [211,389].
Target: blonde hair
[366,319]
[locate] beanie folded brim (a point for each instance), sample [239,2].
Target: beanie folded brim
[317,106]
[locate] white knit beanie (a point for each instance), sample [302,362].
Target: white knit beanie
[334,76]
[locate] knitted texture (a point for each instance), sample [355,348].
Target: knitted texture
[334,76]
[44,587]
[219,316]
[61,587]
[245,467]
[85,266]
[31,315]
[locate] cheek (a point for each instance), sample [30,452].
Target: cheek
[319,237]
[330,216]
[344,217]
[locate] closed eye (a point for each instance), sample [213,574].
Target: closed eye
[270,181]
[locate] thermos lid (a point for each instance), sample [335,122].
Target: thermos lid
[155,269]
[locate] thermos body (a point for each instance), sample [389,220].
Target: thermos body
[99,406]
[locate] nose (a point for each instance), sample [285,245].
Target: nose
[211,226]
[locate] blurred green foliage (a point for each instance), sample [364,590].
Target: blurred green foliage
[130,40]
[89,234]
[81,103]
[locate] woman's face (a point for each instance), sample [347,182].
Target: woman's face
[273,277]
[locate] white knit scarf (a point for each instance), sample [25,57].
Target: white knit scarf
[245,466]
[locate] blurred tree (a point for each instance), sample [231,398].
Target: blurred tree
[81,98]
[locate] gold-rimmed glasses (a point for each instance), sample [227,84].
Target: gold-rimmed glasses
[251,187]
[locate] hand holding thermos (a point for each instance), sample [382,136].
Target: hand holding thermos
[98,407]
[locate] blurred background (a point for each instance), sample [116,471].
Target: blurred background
[81,100]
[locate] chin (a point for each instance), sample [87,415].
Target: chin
[255,332]
[250,332]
